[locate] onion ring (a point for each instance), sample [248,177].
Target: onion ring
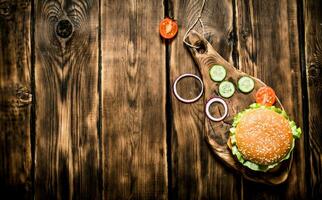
[216,100]
[176,92]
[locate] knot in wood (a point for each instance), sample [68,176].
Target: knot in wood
[23,95]
[64,28]
[24,4]
[202,47]
[6,9]
[314,74]
[314,71]
[245,34]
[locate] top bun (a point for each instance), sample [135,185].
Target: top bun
[263,136]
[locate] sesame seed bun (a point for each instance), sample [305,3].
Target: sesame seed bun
[263,136]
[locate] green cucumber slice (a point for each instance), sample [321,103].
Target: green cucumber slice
[217,73]
[246,84]
[226,89]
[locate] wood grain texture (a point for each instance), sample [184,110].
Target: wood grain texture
[196,172]
[100,105]
[134,99]
[268,48]
[313,53]
[15,100]
[217,133]
[67,99]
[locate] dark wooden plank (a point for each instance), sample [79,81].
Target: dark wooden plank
[268,48]
[67,99]
[196,172]
[134,99]
[313,53]
[15,100]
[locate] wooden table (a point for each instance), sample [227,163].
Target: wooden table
[87,110]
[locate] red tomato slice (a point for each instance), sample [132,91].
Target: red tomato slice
[265,96]
[168,28]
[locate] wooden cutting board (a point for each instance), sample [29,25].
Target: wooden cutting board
[217,133]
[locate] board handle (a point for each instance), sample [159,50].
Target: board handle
[204,51]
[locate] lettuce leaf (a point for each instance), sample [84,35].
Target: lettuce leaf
[297,132]
[256,167]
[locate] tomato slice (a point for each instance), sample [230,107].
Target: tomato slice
[265,96]
[168,28]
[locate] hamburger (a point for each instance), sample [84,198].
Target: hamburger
[262,137]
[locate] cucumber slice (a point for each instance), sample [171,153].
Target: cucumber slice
[226,89]
[246,84]
[217,73]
